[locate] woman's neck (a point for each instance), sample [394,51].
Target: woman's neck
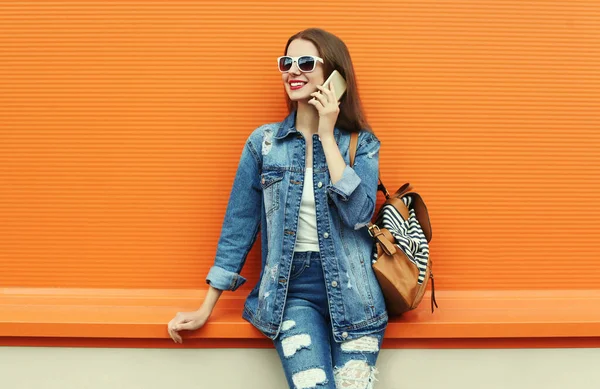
[307,119]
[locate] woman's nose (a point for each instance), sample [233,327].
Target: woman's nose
[294,69]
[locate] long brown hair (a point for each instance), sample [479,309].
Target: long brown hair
[335,56]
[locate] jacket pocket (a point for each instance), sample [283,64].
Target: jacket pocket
[271,185]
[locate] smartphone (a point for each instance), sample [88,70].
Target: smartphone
[338,83]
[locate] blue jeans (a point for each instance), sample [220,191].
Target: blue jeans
[309,355]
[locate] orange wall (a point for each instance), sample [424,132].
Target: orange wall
[121,124]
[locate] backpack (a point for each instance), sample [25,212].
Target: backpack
[401,235]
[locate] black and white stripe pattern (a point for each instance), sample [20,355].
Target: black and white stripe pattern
[408,234]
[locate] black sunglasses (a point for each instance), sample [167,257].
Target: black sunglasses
[306,63]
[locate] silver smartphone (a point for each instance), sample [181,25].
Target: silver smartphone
[338,83]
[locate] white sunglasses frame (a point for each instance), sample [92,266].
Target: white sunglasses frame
[295,61]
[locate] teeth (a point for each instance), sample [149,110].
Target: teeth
[297,84]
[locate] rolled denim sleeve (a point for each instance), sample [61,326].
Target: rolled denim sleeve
[240,225]
[347,184]
[355,193]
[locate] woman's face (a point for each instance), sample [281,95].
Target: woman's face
[299,85]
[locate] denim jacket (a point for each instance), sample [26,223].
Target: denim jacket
[266,196]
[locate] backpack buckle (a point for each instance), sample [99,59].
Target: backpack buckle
[373,227]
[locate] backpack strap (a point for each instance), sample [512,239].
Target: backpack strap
[353,145]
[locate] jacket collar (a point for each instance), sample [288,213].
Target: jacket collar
[288,126]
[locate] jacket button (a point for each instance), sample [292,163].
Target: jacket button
[326,235]
[334,284]
[344,335]
[320,184]
[263,181]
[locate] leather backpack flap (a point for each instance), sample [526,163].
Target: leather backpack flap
[422,215]
[418,205]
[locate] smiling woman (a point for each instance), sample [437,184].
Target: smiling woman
[320,304]
[114,163]
[308,48]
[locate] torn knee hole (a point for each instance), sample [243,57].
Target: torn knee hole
[309,379]
[355,375]
[366,344]
[292,344]
[287,325]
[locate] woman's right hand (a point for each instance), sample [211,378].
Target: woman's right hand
[187,321]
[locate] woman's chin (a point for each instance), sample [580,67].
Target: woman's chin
[299,96]
[300,99]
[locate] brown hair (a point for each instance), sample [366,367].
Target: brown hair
[335,56]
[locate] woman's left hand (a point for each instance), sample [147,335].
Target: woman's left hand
[328,108]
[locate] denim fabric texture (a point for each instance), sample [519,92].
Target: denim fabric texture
[309,355]
[266,196]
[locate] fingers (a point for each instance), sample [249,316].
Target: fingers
[174,335]
[325,90]
[316,103]
[185,321]
[173,327]
[328,93]
[318,96]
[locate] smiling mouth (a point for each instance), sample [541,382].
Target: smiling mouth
[296,85]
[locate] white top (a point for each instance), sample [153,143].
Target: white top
[306,236]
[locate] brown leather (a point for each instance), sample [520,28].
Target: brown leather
[399,205]
[422,215]
[353,144]
[403,189]
[388,236]
[397,277]
[386,240]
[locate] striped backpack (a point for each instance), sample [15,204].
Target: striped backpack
[401,235]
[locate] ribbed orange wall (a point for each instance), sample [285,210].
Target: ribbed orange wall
[121,124]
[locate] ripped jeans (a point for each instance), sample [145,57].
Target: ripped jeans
[308,353]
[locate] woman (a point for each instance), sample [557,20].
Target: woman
[317,297]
